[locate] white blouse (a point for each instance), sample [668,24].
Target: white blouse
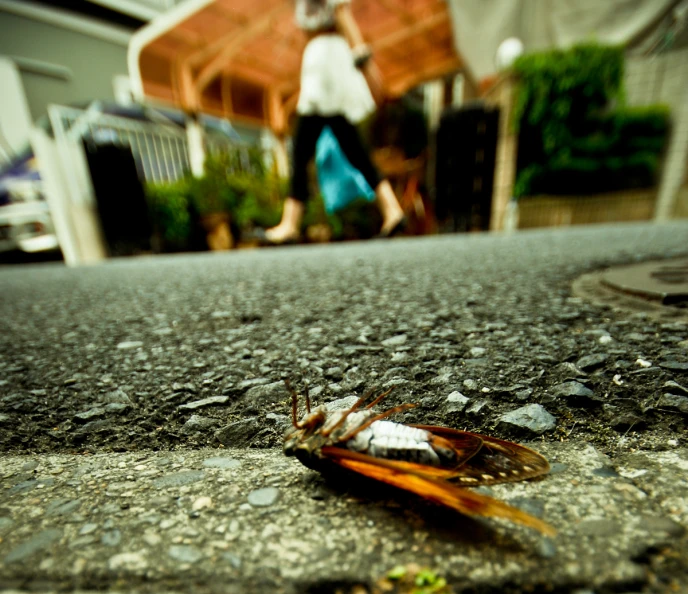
[330,82]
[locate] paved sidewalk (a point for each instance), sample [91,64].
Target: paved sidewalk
[254,521]
[142,407]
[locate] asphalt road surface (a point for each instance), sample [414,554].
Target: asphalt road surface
[142,408]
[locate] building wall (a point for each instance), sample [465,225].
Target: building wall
[89,63]
[85,64]
[657,79]
[664,79]
[15,120]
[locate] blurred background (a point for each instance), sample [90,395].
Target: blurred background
[155,126]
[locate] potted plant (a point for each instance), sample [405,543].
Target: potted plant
[168,205]
[213,198]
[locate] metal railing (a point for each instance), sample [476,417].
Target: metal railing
[159,148]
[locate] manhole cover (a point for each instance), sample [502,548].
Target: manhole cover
[658,289]
[663,281]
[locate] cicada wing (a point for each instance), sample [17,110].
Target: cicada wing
[497,461]
[399,475]
[460,448]
[434,472]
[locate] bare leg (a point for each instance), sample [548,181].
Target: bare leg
[290,226]
[391,211]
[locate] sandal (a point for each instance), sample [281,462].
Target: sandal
[261,236]
[397,228]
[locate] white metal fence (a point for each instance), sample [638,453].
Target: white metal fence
[159,148]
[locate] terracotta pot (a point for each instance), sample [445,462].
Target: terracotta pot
[218,234]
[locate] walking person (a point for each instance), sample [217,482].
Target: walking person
[334,92]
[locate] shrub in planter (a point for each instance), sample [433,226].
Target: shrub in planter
[259,200]
[213,193]
[169,209]
[240,196]
[572,137]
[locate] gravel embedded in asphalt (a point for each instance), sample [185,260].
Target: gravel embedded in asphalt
[118,360]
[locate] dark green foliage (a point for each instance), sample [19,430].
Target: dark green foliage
[570,140]
[230,178]
[237,183]
[234,182]
[559,85]
[169,209]
[260,201]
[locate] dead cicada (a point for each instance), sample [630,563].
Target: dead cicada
[433,462]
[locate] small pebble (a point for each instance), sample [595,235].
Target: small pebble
[185,553]
[263,497]
[397,340]
[674,365]
[223,463]
[673,387]
[590,362]
[232,559]
[341,403]
[470,384]
[130,344]
[88,528]
[546,548]
[211,401]
[38,542]
[533,417]
[456,402]
[477,408]
[202,503]
[111,538]
[128,561]
[152,539]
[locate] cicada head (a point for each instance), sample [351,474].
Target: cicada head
[305,433]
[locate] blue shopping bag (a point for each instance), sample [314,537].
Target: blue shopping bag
[340,182]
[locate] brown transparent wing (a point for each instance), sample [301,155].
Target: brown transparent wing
[497,461]
[398,475]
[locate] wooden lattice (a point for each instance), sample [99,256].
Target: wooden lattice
[240,59]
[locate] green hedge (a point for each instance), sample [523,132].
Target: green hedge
[571,139]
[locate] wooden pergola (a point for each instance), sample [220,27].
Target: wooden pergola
[240,59]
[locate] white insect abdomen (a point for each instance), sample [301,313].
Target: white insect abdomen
[385,439]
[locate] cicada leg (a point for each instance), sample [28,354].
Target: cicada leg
[294,405]
[380,397]
[355,407]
